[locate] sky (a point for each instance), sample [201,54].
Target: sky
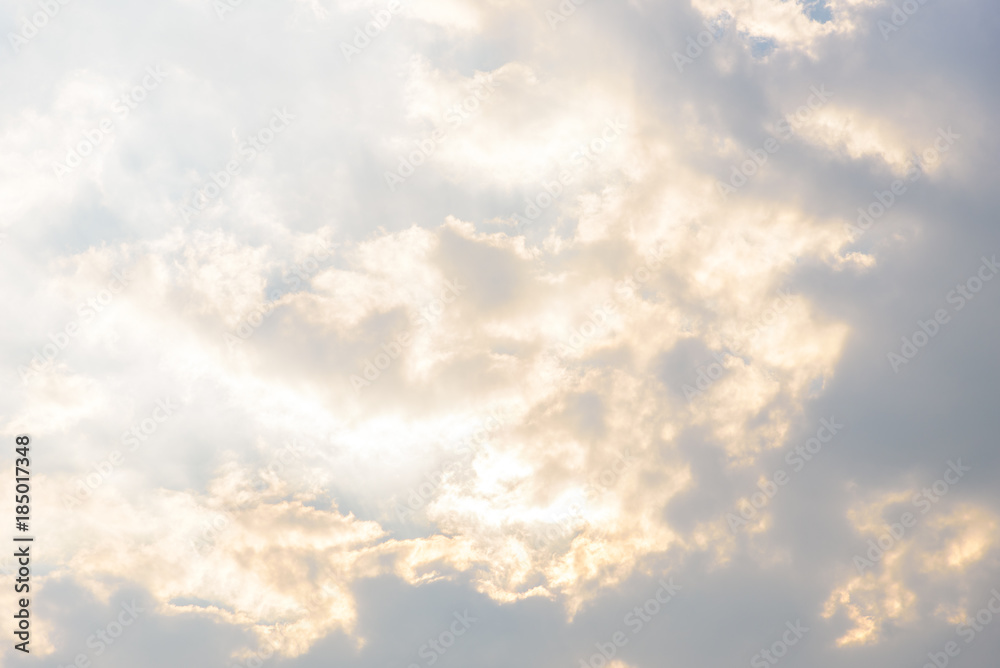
[502,333]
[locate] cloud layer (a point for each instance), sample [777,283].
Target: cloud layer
[454,333]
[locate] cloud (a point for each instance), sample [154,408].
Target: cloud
[510,319]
